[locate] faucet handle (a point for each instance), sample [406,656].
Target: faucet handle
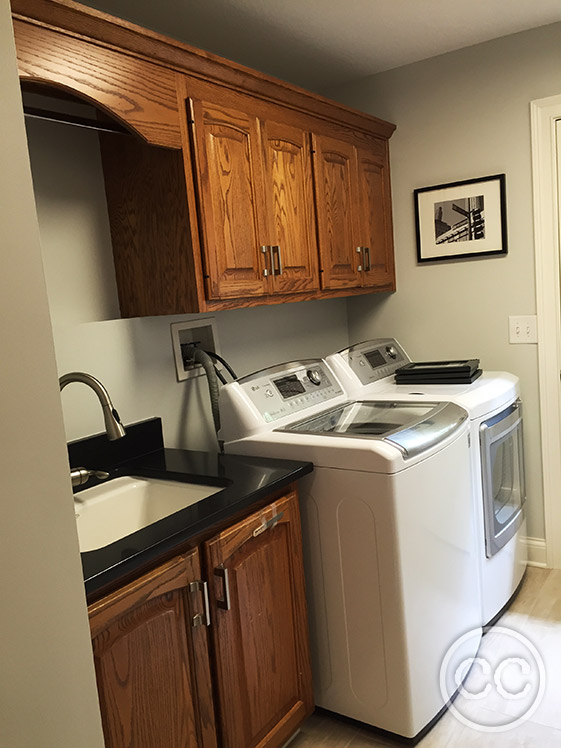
[81,475]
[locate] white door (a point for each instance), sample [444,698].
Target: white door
[546,157]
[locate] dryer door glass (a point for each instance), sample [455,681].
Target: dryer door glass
[503,477]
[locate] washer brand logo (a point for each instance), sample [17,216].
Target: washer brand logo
[499,688]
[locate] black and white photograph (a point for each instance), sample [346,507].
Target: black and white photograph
[461,219]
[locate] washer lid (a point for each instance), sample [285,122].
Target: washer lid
[412,427]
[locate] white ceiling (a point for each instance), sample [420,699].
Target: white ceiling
[322,43]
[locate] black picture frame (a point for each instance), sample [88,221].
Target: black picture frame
[481,229]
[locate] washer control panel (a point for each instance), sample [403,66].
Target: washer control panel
[374,359]
[290,388]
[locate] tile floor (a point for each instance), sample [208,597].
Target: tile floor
[536,614]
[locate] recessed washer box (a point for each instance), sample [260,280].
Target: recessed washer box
[200,332]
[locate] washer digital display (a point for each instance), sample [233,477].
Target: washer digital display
[289,386]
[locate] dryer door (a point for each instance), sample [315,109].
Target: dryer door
[502,466]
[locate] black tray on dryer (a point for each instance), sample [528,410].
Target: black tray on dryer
[439,372]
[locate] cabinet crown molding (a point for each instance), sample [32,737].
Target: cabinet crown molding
[102,28]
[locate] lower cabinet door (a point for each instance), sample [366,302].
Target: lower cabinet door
[151,662]
[259,632]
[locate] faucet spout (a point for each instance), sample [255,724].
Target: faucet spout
[113,425]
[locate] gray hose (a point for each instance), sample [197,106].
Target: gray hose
[200,357]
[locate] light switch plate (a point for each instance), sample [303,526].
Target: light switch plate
[523,329]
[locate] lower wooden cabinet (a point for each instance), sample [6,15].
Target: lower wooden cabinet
[152,664]
[260,630]
[167,680]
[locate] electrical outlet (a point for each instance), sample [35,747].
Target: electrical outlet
[202,333]
[523,329]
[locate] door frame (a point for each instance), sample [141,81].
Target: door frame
[546,182]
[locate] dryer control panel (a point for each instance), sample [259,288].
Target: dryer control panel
[373,359]
[290,388]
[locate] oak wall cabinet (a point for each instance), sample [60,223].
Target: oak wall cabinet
[254,177]
[229,188]
[354,225]
[167,680]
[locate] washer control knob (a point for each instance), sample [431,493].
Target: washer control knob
[391,351]
[314,375]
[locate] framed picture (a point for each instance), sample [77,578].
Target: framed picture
[461,219]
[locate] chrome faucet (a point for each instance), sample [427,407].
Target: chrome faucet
[113,425]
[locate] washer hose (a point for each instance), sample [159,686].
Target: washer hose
[225,364]
[192,353]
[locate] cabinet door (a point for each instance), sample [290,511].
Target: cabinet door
[291,231]
[260,635]
[151,665]
[375,228]
[335,181]
[231,203]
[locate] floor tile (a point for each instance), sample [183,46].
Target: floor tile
[547,606]
[324,732]
[536,615]
[530,591]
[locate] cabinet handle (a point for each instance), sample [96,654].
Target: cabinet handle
[359,251]
[367,256]
[278,269]
[268,524]
[196,586]
[222,572]
[266,249]
[272,259]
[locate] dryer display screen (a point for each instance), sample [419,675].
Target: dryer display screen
[289,386]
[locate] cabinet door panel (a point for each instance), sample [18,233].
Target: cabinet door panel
[290,206]
[231,199]
[144,658]
[375,218]
[261,642]
[334,162]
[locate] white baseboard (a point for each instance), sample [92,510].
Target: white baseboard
[536,550]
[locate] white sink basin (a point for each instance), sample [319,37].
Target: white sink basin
[113,510]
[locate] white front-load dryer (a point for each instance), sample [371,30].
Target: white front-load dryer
[389,539]
[493,403]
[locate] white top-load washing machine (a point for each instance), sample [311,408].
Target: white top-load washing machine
[366,370]
[389,542]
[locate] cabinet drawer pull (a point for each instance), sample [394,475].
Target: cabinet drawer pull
[222,572]
[266,249]
[277,269]
[267,524]
[199,619]
[367,265]
[359,251]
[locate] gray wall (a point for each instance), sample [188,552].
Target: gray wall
[460,116]
[48,696]
[134,358]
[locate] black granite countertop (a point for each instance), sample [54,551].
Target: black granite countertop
[243,482]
